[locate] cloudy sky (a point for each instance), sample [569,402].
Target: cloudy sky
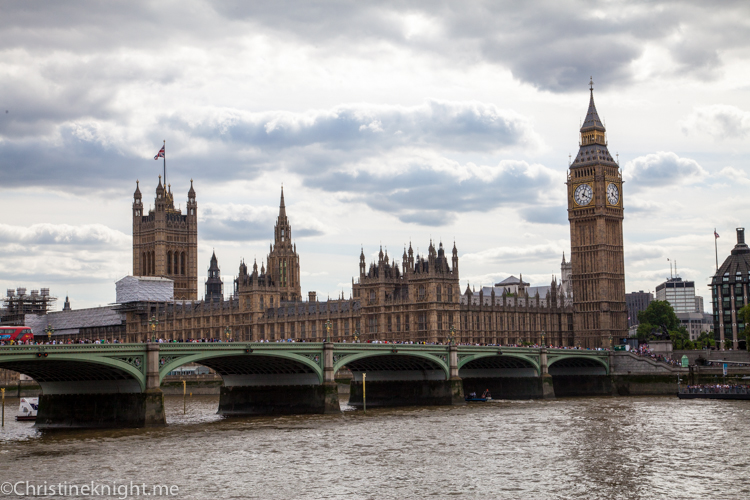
[386,122]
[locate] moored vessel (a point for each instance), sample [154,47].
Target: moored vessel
[27,409]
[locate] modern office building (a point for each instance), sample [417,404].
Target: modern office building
[680,294]
[699,304]
[637,302]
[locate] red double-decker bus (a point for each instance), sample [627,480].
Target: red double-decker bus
[16,334]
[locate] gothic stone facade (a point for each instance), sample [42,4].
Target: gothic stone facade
[418,300]
[165,241]
[595,213]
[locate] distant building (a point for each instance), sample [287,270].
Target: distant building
[680,294]
[699,304]
[695,323]
[729,289]
[17,304]
[566,276]
[214,284]
[637,302]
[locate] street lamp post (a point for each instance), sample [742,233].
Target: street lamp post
[452,335]
[328,330]
[543,344]
[49,331]
[227,332]
[355,334]
[153,322]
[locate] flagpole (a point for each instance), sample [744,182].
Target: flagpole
[716,249]
[165,163]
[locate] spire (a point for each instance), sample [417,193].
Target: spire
[191,192]
[563,261]
[137,193]
[593,141]
[282,206]
[592,120]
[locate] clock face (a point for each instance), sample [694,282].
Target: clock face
[583,195]
[613,194]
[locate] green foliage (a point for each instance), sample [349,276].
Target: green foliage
[743,314]
[705,339]
[681,339]
[644,331]
[659,313]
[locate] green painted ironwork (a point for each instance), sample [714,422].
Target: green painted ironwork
[131,358]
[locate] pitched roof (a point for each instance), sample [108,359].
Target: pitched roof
[70,322]
[592,117]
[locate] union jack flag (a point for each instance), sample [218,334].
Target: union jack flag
[160,154]
[716,235]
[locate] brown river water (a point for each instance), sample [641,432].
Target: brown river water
[608,448]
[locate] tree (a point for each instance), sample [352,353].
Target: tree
[705,339]
[744,314]
[644,331]
[681,339]
[659,313]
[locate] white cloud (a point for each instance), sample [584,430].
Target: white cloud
[661,169]
[720,121]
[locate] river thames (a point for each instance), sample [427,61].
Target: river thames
[628,448]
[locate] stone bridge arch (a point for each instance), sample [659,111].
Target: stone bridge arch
[577,365]
[394,365]
[493,364]
[66,373]
[248,367]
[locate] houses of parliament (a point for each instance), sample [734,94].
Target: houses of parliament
[417,299]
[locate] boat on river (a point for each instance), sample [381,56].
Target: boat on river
[473,398]
[714,392]
[27,410]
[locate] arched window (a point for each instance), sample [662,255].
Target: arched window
[143,264]
[449,298]
[176,263]
[169,262]
[153,263]
[421,292]
[182,263]
[439,293]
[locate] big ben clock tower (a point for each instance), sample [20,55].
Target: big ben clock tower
[595,213]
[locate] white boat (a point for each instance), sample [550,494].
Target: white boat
[28,409]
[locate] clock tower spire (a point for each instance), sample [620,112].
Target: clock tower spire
[595,212]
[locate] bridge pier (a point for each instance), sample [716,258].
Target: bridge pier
[548,388]
[296,394]
[422,386]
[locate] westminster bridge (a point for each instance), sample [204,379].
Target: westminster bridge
[118,385]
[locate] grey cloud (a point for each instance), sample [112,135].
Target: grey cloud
[552,45]
[545,215]
[248,223]
[457,126]
[246,144]
[516,254]
[421,194]
[62,234]
[720,121]
[660,169]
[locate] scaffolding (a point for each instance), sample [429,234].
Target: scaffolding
[17,304]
